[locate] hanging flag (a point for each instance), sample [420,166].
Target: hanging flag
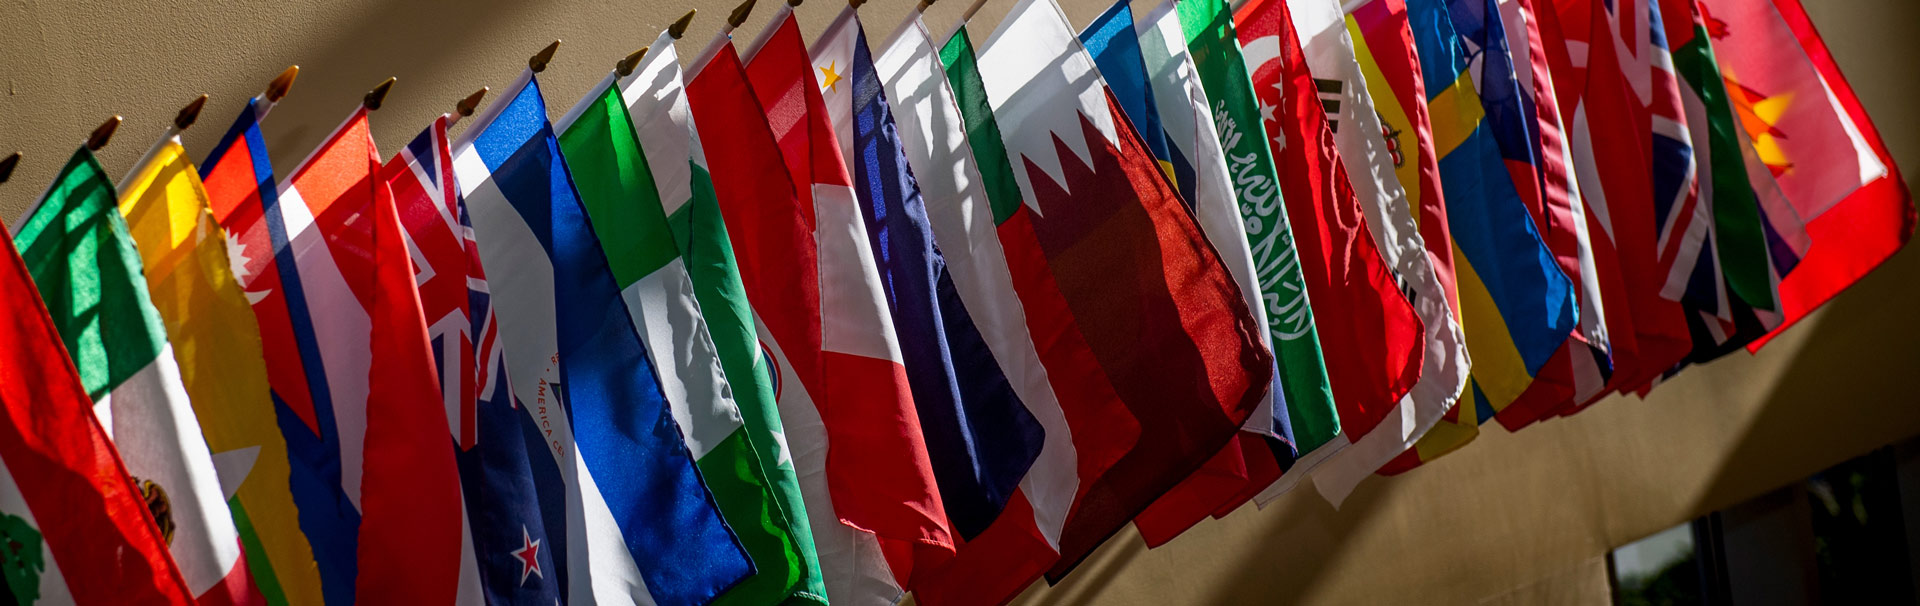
[217,345]
[642,526]
[87,269]
[616,185]
[395,469]
[1115,49]
[1517,306]
[1391,75]
[1616,176]
[867,408]
[1267,443]
[1807,128]
[1733,275]
[57,461]
[1001,276]
[1331,68]
[245,200]
[1240,130]
[1174,336]
[657,103]
[513,493]
[963,398]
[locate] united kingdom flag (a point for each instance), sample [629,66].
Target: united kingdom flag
[509,476]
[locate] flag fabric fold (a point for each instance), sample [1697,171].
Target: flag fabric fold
[1207,370]
[68,510]
[618,189]
[513,493]
[89,273]
[642,527]
[980,437]
[1239,128]
[217,343]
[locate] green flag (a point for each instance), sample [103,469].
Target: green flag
[1236,114]
[623,202]
[88,271]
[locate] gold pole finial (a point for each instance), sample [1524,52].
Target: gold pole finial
[538,62]
[281,84]
[679,28]
[189,113]
[625,67]
[103,134]
[379,94]
[466,106]
[739,14]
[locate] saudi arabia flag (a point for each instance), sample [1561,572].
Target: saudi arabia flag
[623,202]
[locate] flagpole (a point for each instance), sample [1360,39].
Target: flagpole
[466,106]
[378,95]
[964,18]
[95,141]
[276,90]
[181,121]
[725,35]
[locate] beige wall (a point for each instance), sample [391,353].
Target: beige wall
[1515,518]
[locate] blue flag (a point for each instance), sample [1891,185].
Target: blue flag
[1116,51]
[980,437]
[579,368]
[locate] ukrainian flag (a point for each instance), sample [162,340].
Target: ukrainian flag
[1518,308]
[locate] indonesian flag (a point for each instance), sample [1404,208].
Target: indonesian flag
[67,508]
[1160,311]
[1809,131]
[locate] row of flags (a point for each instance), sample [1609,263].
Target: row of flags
[831,323]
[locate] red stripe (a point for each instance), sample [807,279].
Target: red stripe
[1196,497]
[237,589]
[994,567]
[95,524]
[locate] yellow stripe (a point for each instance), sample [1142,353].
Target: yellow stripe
[1167,167]
[1497,364]
[1454,113]
[1448,436]
[217,345]
[1392,116]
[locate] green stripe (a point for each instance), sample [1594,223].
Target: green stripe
[84,262]
[708,256]
[1738,239]
[1215,47]
[257,563]
[983,132]
[617,187]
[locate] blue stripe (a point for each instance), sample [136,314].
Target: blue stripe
[1116,51]
[327,516]
[980,438]
[1490,224]
[623,429]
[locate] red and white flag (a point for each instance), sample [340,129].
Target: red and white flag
[1158,308]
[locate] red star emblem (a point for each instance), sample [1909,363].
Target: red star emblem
[529,556]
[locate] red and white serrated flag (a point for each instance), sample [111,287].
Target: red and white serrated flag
[1157,305]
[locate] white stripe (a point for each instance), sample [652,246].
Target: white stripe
[853,311]
[159,440]
[657,103]
[341,328]
[53,585]
[668,320]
